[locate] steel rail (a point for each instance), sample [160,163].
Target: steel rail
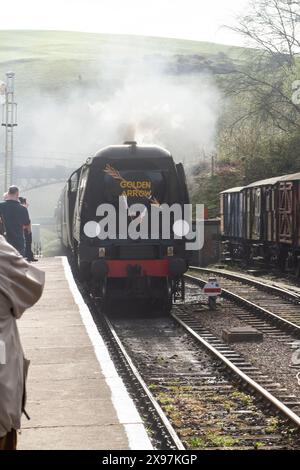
[169,428]
[252,383]
[281,291]
[251,306]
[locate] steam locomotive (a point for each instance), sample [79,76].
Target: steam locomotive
[115,266]
[261,222]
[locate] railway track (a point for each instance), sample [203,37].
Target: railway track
[241,304]
[242,368]
[173,398]
[161,431]
[204,387]
[284,290]
[192,390]
[263,301]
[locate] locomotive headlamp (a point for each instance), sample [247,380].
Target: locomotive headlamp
[101,252]
[181,228]
[170,251]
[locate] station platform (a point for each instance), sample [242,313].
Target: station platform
[76,400]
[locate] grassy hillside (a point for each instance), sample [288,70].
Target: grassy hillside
[55,44]
[52,60]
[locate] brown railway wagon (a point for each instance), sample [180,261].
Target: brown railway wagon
[260,210]
[231,212]
[288,210]
[261,221]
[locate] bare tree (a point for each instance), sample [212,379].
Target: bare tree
[265,78]
[273,25]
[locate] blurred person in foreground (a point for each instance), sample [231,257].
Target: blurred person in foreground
[21,286]
[15,218]
[27,234]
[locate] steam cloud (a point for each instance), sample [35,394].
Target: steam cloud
[147,104]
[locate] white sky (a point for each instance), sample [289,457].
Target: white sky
[190,19]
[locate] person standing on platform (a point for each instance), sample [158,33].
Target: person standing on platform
[15,218]
[28,235]
[21,286]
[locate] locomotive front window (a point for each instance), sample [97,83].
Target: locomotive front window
[74,183]
[138,186]
[82,186]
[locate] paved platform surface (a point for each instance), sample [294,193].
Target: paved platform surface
[75,398]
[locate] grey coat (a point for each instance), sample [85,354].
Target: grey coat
[21,285]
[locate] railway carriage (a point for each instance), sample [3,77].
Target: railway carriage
[270,222]
[151,269]
[261,219]
[289,219]
[232,221]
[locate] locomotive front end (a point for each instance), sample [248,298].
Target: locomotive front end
[128,200]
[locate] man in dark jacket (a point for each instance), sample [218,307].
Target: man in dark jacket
[28,235]
[15,218]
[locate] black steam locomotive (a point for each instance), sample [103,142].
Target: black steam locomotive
[115,266]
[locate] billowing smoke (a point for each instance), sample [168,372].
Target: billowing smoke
[146,103]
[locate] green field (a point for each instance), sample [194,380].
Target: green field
[51,60]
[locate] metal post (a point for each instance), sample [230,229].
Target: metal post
[9,121]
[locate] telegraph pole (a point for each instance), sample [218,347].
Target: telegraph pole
[9,121]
